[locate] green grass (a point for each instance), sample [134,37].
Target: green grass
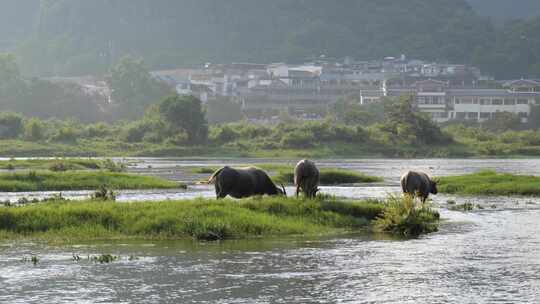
[331,176]
[281,173]
[60,164]
[402,217]
[200,219]
[79,180]
[490,183]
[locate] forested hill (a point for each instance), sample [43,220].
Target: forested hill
[73,37]
[507,8]
[81,36]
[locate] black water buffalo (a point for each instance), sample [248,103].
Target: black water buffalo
[306,178]
[244,182]
[418,184]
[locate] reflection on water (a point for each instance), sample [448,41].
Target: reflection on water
[485,256]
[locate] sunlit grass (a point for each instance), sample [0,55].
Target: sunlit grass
[79,180]
[201,219]
[206,219]
[403,217]
[490,183]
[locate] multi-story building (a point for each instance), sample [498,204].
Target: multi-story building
[445,103]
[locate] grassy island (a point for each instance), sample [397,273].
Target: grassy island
[60,164]
[80,180]
[205,219]
[490,183]
[285,174]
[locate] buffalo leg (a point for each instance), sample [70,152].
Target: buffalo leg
[297,191]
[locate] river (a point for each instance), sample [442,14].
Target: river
[485,256]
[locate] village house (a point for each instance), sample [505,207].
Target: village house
[444,103]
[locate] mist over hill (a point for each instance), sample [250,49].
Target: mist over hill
[76,37]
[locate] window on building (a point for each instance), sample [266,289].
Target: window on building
[461,115]
[457,101]
[522,101]
[466,100]
[497,102]
[439,115]
[509,102]
[485,102]
[485,115]
[523,114]
[472,115]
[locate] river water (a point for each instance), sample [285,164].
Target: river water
[485,256]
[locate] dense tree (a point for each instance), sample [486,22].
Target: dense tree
[11,125]
[134,88]
[408,126]
[185,113]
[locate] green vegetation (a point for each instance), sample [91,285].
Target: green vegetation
[201,219]
[402,133]
[464,207]
[61,164]
[330,176]
[490,183]
[69,41]
[79,180]
[402,217]
[484,142]
[285,174]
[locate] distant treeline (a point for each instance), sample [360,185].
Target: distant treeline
[75,37]
[178,125]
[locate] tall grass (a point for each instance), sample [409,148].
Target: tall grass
[205,219]
[490,182]
[201,219]
[402,217]
[79,180]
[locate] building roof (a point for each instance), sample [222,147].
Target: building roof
[489,93]
[522,83]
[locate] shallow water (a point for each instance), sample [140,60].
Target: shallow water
[485,256]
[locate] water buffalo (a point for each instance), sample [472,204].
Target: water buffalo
[306,178]
[418,184]
[244,182]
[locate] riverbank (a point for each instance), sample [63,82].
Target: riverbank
[200,219]
[113,148]
[335,150]
[491,183]
[80,180]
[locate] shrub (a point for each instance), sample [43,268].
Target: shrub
[67,133]
[11,125]
[298,139]
[402,217]
[98,130]
[34,129]
[134,132]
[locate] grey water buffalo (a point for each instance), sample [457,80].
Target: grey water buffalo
[418,184]
[306,178]
[244,182]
